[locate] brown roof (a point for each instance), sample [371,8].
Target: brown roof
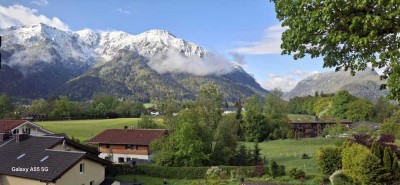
[8,125]
[128,136]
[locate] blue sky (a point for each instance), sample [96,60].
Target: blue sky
[222,26]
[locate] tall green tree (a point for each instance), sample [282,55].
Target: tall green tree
[257,128]
[40,106]
[63,108]
[225,141]
[169,108]
[241,158]
[339,103]
[5,105]
[348,34]
[209,104]
[383,109]
[361,109]
[189,145]
[275,110]
[129,108]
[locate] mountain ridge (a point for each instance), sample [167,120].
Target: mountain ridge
[45,61]
[364,84]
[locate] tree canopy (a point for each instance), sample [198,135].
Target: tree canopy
[349,35]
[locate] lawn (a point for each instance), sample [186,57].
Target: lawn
[145,180]
[288,152]
[86,129]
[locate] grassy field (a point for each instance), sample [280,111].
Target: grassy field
[288,152]
[86,129]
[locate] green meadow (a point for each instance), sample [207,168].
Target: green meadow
[289,151]
[86,129]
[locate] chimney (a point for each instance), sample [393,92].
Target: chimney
[21,137]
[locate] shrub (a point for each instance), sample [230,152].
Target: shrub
[329,159]
[190,172]
[119,169]
[297,173]
[304,156]
[282,171]
[172,172]
[259,171]
[215,173]
[362,165]
[274,169]
[342,179]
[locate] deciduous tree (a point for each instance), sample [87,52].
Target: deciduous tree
[347,34]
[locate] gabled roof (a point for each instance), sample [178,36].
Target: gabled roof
[128,136]
[37,152]
[8,125]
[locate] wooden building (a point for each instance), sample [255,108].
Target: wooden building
[313,129]
[123,145]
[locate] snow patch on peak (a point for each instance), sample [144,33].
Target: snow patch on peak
[158,33]
[89,37]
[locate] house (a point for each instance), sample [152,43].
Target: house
[14,127]
[313,129]
[49,160]
[123,145]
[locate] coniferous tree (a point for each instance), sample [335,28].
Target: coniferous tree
[395,167]
[256,154]
[376,150]
[387,162]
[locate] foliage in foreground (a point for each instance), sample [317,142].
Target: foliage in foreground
[347,34]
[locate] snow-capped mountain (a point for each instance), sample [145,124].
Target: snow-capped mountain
[40,60]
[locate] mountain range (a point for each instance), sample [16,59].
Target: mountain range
[364,84]
[42,61]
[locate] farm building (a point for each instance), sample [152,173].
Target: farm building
[313,129]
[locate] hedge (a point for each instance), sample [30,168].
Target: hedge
[119,169]
[173,172]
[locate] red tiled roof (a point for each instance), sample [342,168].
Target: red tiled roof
[128,136]
[8,125]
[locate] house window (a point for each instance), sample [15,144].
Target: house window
[136,147]
[128,159]
[129,147]
[109,158]
[121,160]
[107,146]
[82,168]
[92,182]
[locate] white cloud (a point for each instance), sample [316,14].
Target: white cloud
[285,82]
[175,62]
[16,15]
[127,12]
[40,2]
[270,44]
